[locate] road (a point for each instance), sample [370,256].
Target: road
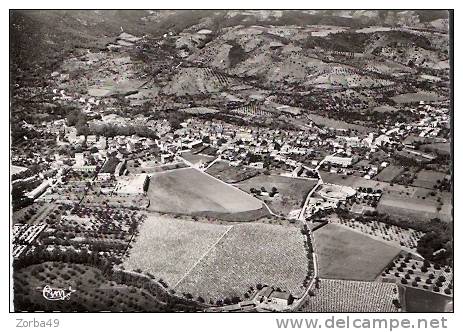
[306,203]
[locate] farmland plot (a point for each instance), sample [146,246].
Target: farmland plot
[428,179]
[405,237]
[168,248]
[352,296]
[424,209]
[191,191]
[349,255]
[250,254]
[231,174]
[197,158]
[291,192]
[420,274]
[389,173]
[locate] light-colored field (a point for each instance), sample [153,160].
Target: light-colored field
[111,87]
[191,191]
[291,191]
[250,254]
[385,109]
[416,97]
[199,110]
[349,255]
[168,248]
[336,124]
[352,296]
[422,209]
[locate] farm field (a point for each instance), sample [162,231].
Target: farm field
[351,296]
[405,207]
[389,173]
[167,248]
[428,179]
[231,174]
[398,236]
[418,300]
[420,274]
[439,148]
[399,200]
[416,97]
[337,124]
[291,191]
[249,254]
[349,255]
[199,110]
[191,191]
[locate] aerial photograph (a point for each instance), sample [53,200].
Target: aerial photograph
[231,161]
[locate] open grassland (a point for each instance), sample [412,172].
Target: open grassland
[351,296]
[250,254]
[231,174]
[349,255]
[191,191]
[167,248]
[291,192]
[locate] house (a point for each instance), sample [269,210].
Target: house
[281,298]
[264,294]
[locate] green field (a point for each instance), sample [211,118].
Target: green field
[190,191]
[349,255]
